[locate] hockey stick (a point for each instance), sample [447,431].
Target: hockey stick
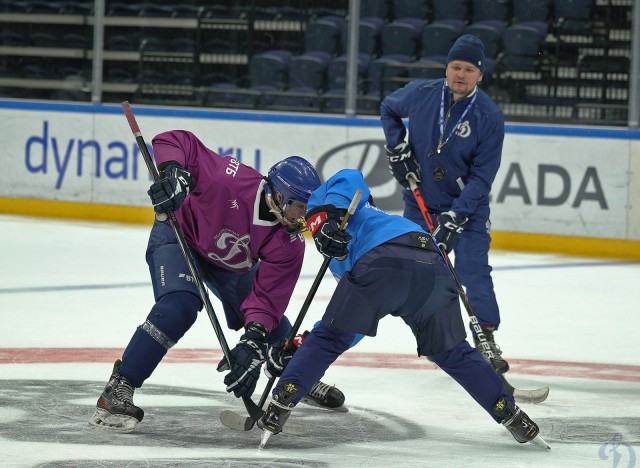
[526,396]
[240,423]
[252,408]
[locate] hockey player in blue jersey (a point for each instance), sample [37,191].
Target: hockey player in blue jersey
[453,149]
[387,265]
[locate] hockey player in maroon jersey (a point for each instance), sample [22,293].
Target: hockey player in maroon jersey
[245,233]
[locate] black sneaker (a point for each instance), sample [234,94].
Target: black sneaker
[279,409]
[502,366]
[513,418]
[115,409]
[325,396]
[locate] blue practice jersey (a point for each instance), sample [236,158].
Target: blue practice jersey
[369,226]
[459,177]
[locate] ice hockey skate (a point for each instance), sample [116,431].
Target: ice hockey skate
[522,428]
[278,411]
[115,409]
[325,396]
[502,366]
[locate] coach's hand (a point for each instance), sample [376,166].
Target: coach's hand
[448,230]
[402,163]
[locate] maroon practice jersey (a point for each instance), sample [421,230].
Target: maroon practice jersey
[219,220]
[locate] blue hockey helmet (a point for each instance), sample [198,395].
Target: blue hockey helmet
[294,179]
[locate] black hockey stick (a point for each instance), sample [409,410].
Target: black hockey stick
[525,396]
[252,408]
[240,423]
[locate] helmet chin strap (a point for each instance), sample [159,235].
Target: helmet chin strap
[275,208]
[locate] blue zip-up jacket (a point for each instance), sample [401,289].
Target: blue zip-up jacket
[471,157]
[369,226]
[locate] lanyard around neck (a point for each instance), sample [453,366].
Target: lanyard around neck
[441,122]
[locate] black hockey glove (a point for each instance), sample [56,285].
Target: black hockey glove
[324,224]
[247,357]
[279,355]
[402,162]
[447,230]
[168,193]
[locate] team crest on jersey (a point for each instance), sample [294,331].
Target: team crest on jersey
[464,129]
[234,250]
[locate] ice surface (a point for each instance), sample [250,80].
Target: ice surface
[72,293]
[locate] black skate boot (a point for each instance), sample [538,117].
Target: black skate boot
[279,409]
[115,409]
[325,396]
[522,428]
[502,366]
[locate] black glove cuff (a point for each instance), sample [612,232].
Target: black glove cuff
[332,212]
[165,167]
[256,331]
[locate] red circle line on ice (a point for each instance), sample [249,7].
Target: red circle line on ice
[586,370]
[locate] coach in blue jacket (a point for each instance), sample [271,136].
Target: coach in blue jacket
[453,150]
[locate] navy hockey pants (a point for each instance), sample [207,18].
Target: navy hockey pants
[471,261]
[410,283]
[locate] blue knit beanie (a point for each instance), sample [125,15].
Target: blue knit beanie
[469,49]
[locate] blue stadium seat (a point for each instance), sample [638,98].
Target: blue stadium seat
[323,35]
[153,10]
[151,43]
[402,37]
[14,38]
[438,37]
[375,8]
[427,68]
[183,44]
[334,100]
[74,40]
[229,95]
[84,8]
[384,71]
[299,99]
[525,11]
[14,6]
[309,71]
[411,9]
[369,30]
[44,7]
[490,35]
[573,16]
[491,10]
[122,9]
[119,75]
[44,39]
[270,68]
[180,10]
[337,71]
[448,9]
[119,42]
[521,45]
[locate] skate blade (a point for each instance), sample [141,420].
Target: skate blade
[265,437]
[540,442]
[310,402]
[118,423]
